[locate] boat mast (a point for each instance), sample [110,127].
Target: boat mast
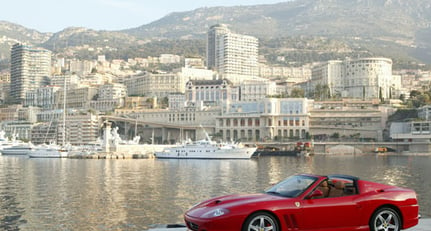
[64,113]
[136,127]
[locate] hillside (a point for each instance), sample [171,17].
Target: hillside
[346,18]
[300,30]
[374,23]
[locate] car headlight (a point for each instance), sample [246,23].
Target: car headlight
[215,213]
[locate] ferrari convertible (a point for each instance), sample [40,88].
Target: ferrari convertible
[310,202]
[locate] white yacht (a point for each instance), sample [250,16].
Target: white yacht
[48,151]
[206,149]
[19,149]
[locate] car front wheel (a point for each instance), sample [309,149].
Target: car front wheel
[261,221]
[385,219]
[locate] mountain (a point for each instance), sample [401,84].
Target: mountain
[393,22]
[368,18]
[398,29]
[11,33]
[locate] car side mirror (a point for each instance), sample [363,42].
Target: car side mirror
[315,194]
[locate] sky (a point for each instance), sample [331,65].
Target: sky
[56,15]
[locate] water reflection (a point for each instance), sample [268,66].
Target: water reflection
[67,194]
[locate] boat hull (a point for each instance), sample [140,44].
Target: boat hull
[239,153]
[16,151]
[48,154]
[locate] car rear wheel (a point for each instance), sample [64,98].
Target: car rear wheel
[261,221]
[385,219]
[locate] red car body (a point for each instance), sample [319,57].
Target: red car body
[362,205]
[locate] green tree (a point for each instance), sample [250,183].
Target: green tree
[336,135]
[297,93]
[322,92]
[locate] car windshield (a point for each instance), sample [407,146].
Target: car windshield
[292,186]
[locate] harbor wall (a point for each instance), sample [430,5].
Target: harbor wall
[357,147]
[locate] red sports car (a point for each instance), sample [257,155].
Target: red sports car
[310,202]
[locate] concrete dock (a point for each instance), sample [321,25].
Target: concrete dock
[424,225]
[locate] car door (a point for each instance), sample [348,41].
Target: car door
[327,213]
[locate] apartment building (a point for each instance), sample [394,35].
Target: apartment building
[17,112]
[80,129]
[4,91]
[30,69]
[81,67]
[78,98]
[70,81]
[230,53]
[109,97]
[43,97]
[44,133]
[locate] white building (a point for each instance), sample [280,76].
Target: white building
[176,101]
[110,97]
[214,34]
[230,53]
[196,74]
[81,67]
[158,85]
[30,69]
[194,63]
[43,97]
[329,74]
[20,129]
[80,129]
[365,78]
[71,81]
[211,92]
[112,91]
[169,59]
[255,90]
[96,79]
[289,74]
[78,98]
[265,119]
[414,130]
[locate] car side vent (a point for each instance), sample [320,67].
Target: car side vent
[217,202]
[291,222]
[380,190]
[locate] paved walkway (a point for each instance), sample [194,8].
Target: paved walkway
[424,225]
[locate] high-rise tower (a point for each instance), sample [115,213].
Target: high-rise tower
[30,68]
[230,53]
[214,34]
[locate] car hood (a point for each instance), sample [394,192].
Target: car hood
[229,202]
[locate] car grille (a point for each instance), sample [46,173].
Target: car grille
[192,226]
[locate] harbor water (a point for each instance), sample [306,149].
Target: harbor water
[134,194]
